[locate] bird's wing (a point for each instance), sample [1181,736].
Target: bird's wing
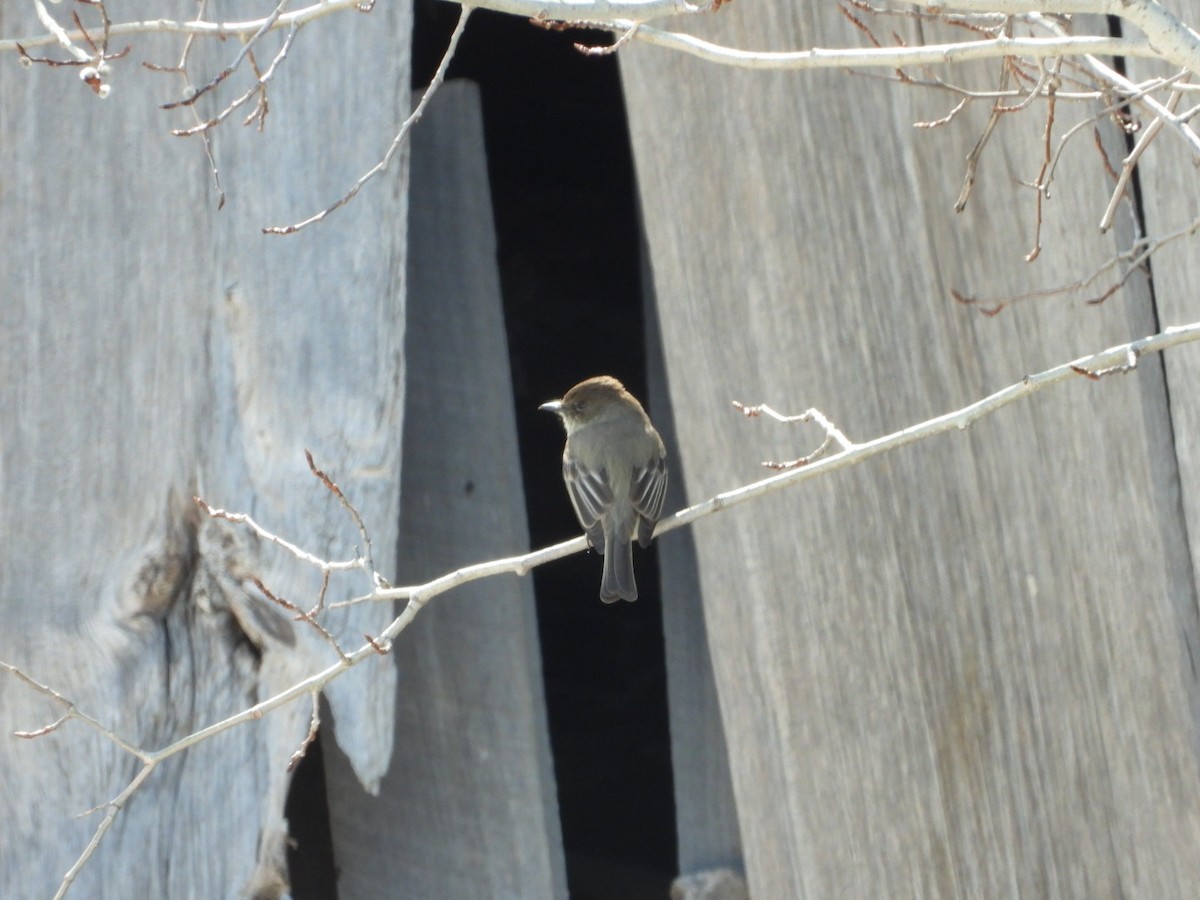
[648,490]
[591,496]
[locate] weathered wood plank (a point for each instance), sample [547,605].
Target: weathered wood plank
[468,806]
[959,670]
[153,347]
[708,835]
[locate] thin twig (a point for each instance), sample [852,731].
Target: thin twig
[438,77]
[610,49]
[259,88]
[302,555]
[314,723]
[1134,259]
[946,119]
[972,161]
[267,25]
[832,433]
[1131,161]
[301,616]
[366,557]
[1041,187]
[72,712]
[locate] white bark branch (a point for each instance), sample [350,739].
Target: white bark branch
[199,27]
[1172,37]
[894,57]
[1108,74]
[1114,359]
[1166,36]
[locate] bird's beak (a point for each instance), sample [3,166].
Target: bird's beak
[554,406]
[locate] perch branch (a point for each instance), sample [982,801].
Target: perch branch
[418,595]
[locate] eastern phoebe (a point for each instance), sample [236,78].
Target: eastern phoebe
[615,467]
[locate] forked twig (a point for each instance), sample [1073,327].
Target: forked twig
[438,77]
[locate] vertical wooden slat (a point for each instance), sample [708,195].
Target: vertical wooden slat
[468,807]
[960,670]
[153,347]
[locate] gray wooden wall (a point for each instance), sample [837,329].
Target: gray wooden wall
[964,669]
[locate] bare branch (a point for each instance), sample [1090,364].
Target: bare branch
[957,420]
[832,433]
[418,595]
[259,89]
[1111,76]
[301,616]
[195,27]
[180,68]
[1134,259]
[302,555]
[1114,109]
[438,77]
[894,57]
[1131,161]
[976,151]
[114,806]
[72,712]
[58,34]
[247,48]
[1042,186]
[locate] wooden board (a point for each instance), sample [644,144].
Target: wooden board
[959,670]
[468,807]
[155,347]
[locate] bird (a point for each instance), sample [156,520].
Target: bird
[615,468]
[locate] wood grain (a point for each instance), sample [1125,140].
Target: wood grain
[961,670]
[468,808]
[153,347]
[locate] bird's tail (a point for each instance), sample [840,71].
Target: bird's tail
[618,582]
